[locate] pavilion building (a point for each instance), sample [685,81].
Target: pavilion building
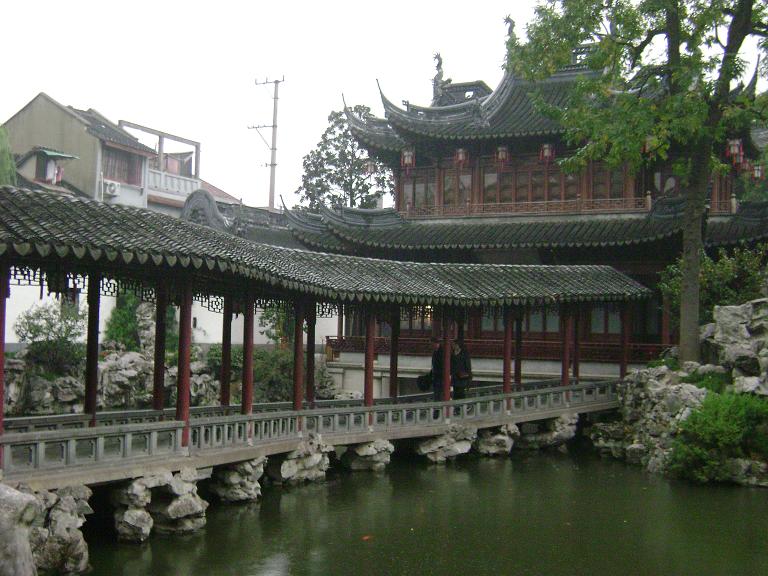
[477,180]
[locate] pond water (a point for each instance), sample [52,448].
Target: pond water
[553,514]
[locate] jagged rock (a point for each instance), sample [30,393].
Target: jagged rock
[652,403]
[454,442]
[14,385]
[238,482]
[307,463]
[748,472]
[57,543]
[750,385]
[17,513]
[548,434]
[497,441]
[368,455]
[133,524]
[145,323]
[348,395]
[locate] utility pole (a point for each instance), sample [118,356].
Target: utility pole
[273,148]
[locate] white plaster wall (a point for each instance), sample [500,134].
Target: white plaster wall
[22,298]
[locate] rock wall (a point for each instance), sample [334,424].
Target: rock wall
[738,341]
[496,441]
[653,403]
[55,538]
[238,482]
[167,503]
[456,441]
[17,513]
[308,463]
[368,456]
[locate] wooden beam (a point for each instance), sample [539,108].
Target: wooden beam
[519,350]
[576,343]
[625,330]
[225,376]
[4,293]
[92,347]
[566,331]
[394,350]
[246,404]
[370,339]
[298,354]
[158,370]
[446,355]
[311,324]
[507,355]
[185,348]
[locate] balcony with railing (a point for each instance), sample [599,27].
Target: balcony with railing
[173,184]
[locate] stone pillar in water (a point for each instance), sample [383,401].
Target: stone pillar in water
[165,502]
[368,455]
[497,441]
[307,463]
[238,482]
[455,441]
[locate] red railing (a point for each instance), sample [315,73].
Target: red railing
[591,205]
[488,348]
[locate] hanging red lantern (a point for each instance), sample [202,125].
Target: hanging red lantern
[734,151]
[547,153]
[460,157]
[502,155]
[758,172]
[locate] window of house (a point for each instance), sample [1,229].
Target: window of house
[507,187]
[570,186]
[553,184]
[537,186]
[488,322]
[419,189]
[599,183]
[521,186]
[552,323]
[617,183]
[457,187]
[490,187]
[605,319]
[121,166]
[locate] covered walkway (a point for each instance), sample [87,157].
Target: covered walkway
[62,243]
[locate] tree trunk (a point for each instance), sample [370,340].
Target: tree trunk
[693,244]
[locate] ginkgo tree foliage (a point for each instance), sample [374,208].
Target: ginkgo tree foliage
[670,84]
[339,172]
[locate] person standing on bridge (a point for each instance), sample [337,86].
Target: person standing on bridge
[437,369]
[461,370]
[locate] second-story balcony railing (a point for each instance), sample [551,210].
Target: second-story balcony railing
[575,206]
[172,183]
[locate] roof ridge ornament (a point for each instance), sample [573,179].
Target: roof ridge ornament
[438,84]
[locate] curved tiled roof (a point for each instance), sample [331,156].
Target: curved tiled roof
[35,226]
[509,112]
[351,230]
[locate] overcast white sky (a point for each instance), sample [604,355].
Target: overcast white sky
[188,68]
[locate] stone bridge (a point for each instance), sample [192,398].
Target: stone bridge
[49,452]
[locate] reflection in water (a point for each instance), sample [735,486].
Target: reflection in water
[549,514]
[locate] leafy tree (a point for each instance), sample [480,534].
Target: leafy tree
[336,172]
[122,325]
[733,277]
[7,165]
[52,331]
[664,77]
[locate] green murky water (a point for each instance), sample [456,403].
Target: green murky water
[542,515]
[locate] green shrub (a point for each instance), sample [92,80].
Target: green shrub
[671,363]
[724,426]
[122,325]
[712,381]
[51,331]
[213,359]
[732,277]
[272,371]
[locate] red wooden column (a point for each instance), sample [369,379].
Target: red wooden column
[4,292]
[625,330]
[519,349]
[158,371]
[566,324]
[311,323]
[340,322]
[666,335]
[394,350]
[225,376]
[298,354]
[506,386]
[246,404]
[576,343]
[185,347]
[446,357]
[92,347]
[370,340]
